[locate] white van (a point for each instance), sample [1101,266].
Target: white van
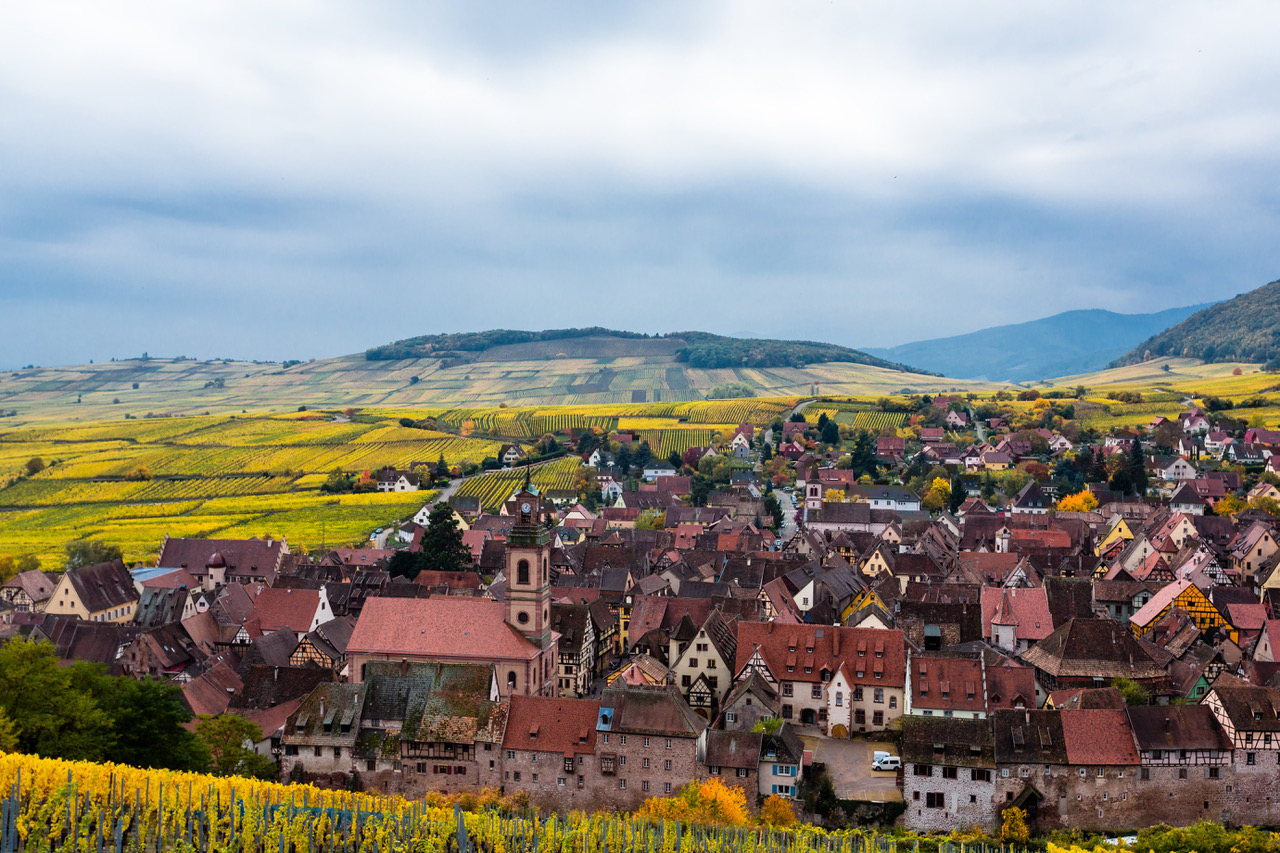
[879,754]
[888,762]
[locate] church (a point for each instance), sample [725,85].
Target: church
[514,635]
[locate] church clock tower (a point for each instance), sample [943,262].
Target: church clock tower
[529,570]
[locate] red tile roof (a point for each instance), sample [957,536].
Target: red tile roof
[1099,737]
[563,726]
[295,609]
[1028,609]
[865,653]
[440,627]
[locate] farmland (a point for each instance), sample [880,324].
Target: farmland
[132,482]
[493,489]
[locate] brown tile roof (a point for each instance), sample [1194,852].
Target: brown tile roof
[438,627]
[1177,727]
[1027,609]
[1099,737]
[657,711]
[947,740]
[739,750]
[1092,648]
[257,557]
[864,652]
[952,684]
[103,586]
[294,609]
[566,727]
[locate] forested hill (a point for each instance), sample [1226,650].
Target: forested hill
[1246,328]
[1061,345]
[697,349]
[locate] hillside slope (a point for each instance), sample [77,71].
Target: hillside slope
[697,349]
[515,376]
[1246,328]
[1071,342]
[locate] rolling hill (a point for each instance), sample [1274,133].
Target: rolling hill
[1067,343]
[1246,329]
[581,370]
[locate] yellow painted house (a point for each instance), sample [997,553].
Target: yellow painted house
[1184,595]
[101,593]
[1119,530]
[866,598]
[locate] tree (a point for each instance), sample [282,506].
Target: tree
[442,468]
[34,466]
[1013,826]
[1133,692]
[1082,501]
[642,455]
[767,725]
[957,495]
[862,461]
[701,801]
[52,716]
[831,433]
[823,420]
[442,547]
[83,552]
[766,452]
[675,460]
[8,734]
[651,519]
[404,564]
[1137,468]
[230,739]
[777,811]
[798,418]
[1228,505]
[774,508]
[148,719]
[623,458]
[699,490]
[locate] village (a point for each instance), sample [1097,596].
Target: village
[1097,647]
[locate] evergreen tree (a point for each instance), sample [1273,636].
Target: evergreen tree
[1137,468]
[830,433]
[674,459]
[862,460]
[442,548]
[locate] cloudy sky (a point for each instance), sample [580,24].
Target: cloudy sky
[302,179]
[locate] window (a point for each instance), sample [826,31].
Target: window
[668,743]
[816,691]
[522,572]
[859,716]
[1213,772]
[742,772]
[877,718]
[1251,758]
[516,775]
[1182,772]
[923,770]
[686,680]
[949,772]
[560,780]
[839,699]
[729,717]
[893,701]
[878,696]
[711,663]
[979,775]
[622,784]
[933,800]
[666,765]
[606,737]
[646,740]
[371,765]
[568,765]
[787,689]
[644,786]
[317,749]
[622,761]
[644,763]
[622,739]
[511,754]
[857,694]
[337,752]
[535,777]
[1145,774]
[666,787]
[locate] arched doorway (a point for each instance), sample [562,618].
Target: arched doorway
[808,717]
[839,730]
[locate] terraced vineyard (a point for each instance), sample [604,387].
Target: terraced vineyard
[132,482]
[494,489]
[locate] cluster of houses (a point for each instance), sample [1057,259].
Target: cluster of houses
[593,661]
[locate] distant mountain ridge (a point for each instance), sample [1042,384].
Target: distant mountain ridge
[697,349]
[1061,345]
[1246,328]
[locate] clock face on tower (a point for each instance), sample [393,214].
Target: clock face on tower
[524,507]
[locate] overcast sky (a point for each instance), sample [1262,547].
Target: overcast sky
[302,179]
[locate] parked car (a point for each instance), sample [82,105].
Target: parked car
[888,762]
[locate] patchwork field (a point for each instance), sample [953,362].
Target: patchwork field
[505,375]
[133,482]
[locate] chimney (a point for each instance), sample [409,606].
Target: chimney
[1166,725]
[321,707]
[404,666]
